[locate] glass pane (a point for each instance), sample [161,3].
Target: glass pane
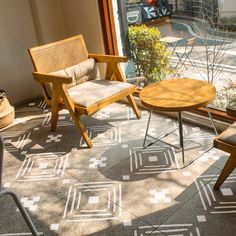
[172,39]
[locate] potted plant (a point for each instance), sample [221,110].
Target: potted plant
[7,112]
[147,52]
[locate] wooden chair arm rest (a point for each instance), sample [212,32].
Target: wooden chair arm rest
[48,78]
[231,111]
[108,58]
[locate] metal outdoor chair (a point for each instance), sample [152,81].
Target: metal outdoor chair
[13,195]
[226,141]
[70,79]
[184,53]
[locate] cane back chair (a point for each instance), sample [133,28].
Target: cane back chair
[184,53]
[70,79]
[226,141]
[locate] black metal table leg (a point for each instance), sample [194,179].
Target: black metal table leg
[181,139]
[147,128]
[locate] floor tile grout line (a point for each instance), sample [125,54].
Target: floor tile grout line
[125,159]
[169,216]
[105,172]
[84,185]
[111,200]
[194,195]
[213,164]
[72,176]
[122,207]
[157,228]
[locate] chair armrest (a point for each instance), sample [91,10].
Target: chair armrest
[47,78]
[107,58]
[231,111]
[113,71]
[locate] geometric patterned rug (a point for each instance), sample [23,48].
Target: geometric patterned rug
[117,187]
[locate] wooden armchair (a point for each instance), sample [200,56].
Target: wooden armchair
[70,79]
[226,141]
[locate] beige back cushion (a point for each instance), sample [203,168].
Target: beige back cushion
[83,71]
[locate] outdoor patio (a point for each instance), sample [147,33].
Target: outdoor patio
[117,187]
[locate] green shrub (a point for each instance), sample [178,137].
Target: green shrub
[148,53]
[228,20]
[226,96]
[227,24]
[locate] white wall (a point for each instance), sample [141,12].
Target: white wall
[17,33]
[49,19]
[82,17]
[227,8]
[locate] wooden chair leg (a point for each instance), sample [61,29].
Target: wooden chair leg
[228,168]
[75,115]
[134,106]
[82,129]
[54,117]
[55,106]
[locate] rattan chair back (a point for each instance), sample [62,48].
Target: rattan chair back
[59,55]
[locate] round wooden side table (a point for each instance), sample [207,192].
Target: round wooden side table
[177,95]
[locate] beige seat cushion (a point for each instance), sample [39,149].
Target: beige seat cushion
[92,92]
[229,135]
[84,71]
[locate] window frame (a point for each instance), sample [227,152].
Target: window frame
[108,26]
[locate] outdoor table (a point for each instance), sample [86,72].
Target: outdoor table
[177,95]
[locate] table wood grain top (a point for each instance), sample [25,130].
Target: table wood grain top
[178,95]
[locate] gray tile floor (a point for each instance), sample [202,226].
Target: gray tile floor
[117,187]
